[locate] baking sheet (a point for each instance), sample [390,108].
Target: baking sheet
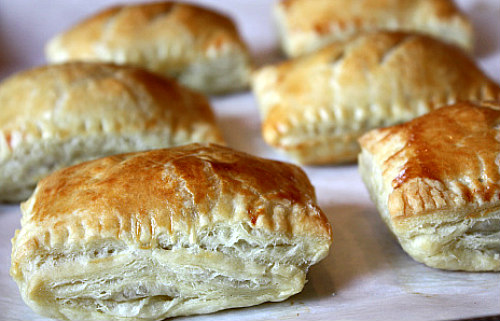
[366,275]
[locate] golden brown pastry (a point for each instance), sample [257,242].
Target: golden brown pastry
[199,47]
[315,107]
[307,25]
[180,231]
[436,183]
[59,115]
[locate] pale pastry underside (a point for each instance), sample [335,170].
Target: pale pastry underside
[469,244]
[226,72]
[444,241]
[31,161]
[229,267]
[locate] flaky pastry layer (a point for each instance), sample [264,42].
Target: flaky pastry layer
[156,234]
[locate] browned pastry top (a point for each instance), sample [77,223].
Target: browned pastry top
[59,101]
[456,147]
[135,197]
[326,11]
[125,26]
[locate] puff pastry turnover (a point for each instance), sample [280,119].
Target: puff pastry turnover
[150,235]
[59,115]
[306,25]
[315,107]
[199,47]
[436,183]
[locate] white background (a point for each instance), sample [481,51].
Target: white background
[372,278]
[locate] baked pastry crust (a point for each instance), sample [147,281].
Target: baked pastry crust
[306,26]
[150,235]
[314,108]
[59,115]
[199,47]
[436,183]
